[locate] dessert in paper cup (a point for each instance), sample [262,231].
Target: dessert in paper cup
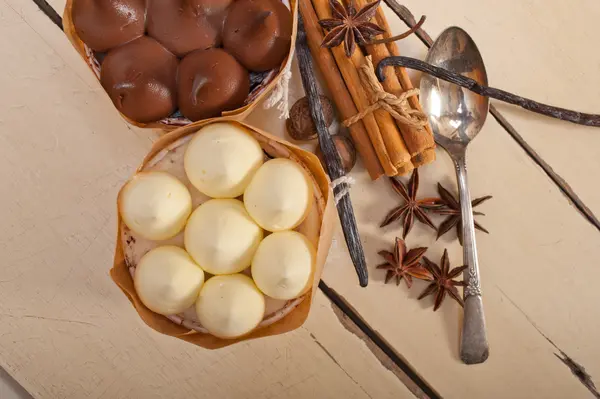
[169,63]
[223,234]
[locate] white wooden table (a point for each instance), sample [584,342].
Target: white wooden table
[66,331]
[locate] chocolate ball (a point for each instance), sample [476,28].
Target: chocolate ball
[141,79]
[210,82]
[183,26]
[105,24]
[258,33]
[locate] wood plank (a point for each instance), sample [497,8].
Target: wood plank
[66,330]
[537,264]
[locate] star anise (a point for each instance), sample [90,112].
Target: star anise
[451,207]
[412,207]
[402,264]
[350,26]
[443,281]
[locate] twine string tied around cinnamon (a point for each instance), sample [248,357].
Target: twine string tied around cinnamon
[396,106]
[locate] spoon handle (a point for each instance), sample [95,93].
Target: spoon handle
[473,346]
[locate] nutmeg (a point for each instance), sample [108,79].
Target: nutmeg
[300,125]
[346,150]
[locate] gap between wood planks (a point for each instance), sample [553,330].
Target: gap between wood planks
[577,369]
[351,320]
[356,325]
[50,12]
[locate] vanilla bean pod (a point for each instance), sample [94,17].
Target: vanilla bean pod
[404,35]
[579,118]
[409,19]
[333,162]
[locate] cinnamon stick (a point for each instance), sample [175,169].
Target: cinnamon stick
[400,71]
[361,101]
[420,142]
[339,92]
[399,153]
[386,132]
[394,143]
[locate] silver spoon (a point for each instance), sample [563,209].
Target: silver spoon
[456,116]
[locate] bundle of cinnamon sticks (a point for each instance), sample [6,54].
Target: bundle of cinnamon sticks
[386,146]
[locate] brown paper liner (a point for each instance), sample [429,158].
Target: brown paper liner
[323,210]
[170,123]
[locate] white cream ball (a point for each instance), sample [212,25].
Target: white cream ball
[221,159]
[279,195]
[283,265]
[230,306]
[167,280]
[155,205]
[221,237]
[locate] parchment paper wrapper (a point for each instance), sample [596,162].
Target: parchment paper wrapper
[318,227]
[173,122]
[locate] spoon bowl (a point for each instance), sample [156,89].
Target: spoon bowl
[456,116]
